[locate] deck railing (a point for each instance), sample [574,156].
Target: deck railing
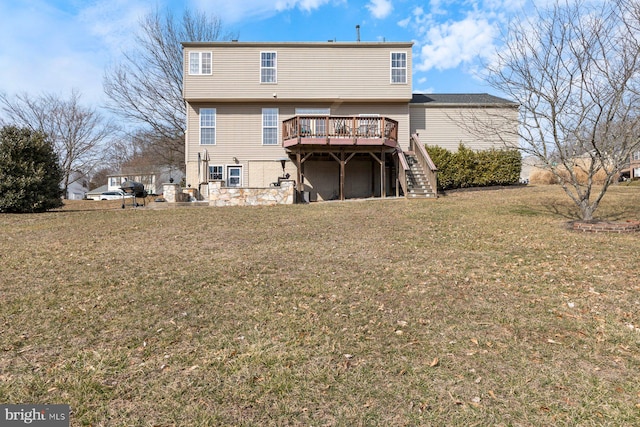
[348,127]
[425,161]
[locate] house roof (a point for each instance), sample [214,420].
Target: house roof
[329,43]
[98,190]
[456,99]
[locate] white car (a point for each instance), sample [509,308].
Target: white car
[114,195]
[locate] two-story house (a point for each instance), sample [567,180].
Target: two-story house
[334,116]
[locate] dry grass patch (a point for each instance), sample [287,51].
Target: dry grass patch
[479,308]
[546,177]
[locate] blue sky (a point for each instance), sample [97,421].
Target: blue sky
[57,45]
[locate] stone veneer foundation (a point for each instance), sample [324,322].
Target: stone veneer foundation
[236,196]
[243,196]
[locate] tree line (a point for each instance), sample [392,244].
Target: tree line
[144,93]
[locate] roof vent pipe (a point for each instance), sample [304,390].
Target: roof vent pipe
[358,32]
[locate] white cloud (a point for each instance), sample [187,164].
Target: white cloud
[457,33]
[232,12]
[56,48]
[449,44]
[420,86]
[436,7]
[380,9]
[114,22]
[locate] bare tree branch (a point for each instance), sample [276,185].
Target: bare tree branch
[573,69]
[78,133]
[146,88]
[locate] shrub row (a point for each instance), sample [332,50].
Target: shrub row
[468,168]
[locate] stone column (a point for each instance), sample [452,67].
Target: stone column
[170,191]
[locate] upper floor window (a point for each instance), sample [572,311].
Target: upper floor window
[269,126]
[208,126]
[199,63]
[636,155]
[398,67]
[268,72]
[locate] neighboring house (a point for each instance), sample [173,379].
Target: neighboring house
[152,181]
[530,166]
[634,165]
[339,118]
[96,192]
[77,190]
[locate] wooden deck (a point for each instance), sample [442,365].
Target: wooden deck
[341,138]
[364,131]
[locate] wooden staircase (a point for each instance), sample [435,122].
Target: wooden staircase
[418,185]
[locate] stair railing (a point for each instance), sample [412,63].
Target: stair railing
[403,167]
[429,168]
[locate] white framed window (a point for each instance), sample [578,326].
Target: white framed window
[268,67]
[216,173]
[207,126]
[200,63]
[234,176]
[398,67]
[636,155]
[269,126]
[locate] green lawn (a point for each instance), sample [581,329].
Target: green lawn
[478,308]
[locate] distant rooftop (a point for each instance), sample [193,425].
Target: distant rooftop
[458,98]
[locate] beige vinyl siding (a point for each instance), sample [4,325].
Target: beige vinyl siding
[321,71]
[238,135]
[239,127]
[447,127]
[239,131]
[264,172]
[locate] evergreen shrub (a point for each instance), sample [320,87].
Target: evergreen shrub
[468,168]
[30,175]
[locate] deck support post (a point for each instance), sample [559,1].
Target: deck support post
[381,162]
[342,164]
[299,168]
[383,175]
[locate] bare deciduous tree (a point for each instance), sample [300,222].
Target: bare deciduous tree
[573,69]
[146,88]
[78,133]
